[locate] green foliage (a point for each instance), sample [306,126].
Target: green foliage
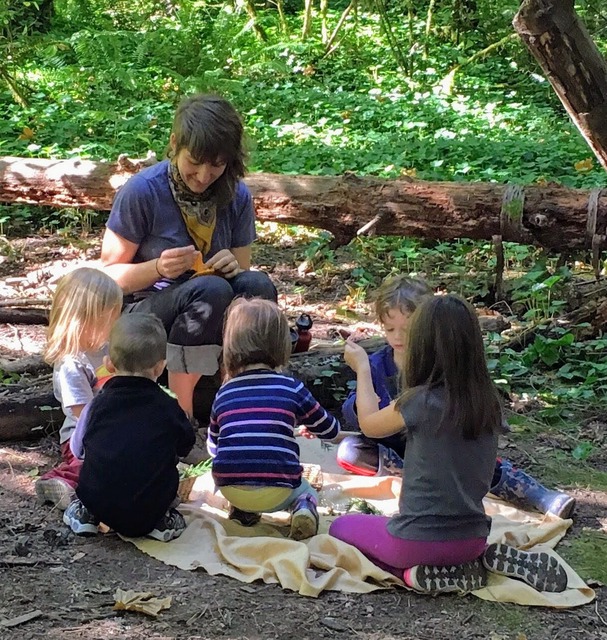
[194,470]
[536,290]
[586,552]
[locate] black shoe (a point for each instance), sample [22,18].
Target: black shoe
[246,518]
[171,526]
[538,569]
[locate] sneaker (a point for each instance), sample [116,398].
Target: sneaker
[170,526]
[538,569]
[304,521]
[56,491]
[80,520]
[460,578]
[246,518]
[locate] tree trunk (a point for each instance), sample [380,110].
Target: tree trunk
[572,63]
[257,28]
[306,29]
[553,216]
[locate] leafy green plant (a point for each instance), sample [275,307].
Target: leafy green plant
[195,470]
[538,289]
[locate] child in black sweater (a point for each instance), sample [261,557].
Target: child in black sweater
[130,436]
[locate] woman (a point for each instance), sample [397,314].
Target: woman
[188,215]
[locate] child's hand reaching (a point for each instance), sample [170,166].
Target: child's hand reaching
[304,432]
[355,356]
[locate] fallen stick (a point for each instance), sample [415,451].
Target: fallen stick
[15,561]
[26,617]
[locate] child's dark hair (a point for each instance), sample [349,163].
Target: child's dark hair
[400,292]
[445,349]
[138,342]
[256,331]
[209,127]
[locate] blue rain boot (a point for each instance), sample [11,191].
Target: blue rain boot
[515,486]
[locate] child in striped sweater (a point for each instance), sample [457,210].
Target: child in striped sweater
[252,436]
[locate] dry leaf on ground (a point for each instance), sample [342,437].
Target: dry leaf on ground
[140,601]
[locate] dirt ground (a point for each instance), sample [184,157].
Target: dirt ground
[67,583]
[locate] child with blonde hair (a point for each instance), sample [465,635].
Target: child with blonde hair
[251,435]
[395,301]
[451,414]
[85,305]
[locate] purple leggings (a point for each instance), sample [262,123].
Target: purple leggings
[370,536]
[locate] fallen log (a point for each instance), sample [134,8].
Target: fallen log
[550,215]
[571,61]
[29,412]
[27,315]
[28,409]
[29,365]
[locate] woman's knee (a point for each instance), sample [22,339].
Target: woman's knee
[201,309]
[212,289]
[254,284]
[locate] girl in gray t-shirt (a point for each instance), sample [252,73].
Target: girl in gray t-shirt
[452,416]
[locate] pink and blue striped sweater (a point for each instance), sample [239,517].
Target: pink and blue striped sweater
[252,430]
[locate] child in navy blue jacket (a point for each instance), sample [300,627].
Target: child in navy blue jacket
[130,436]
[395,301]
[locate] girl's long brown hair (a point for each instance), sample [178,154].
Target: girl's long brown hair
[445,349]
[80,312]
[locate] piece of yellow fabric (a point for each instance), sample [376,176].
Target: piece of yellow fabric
[256,499]
[200,233]
[264,552]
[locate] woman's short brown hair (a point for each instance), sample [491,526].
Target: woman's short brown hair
[211,130]
[256,331]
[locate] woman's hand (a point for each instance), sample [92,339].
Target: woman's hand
[355,356]
[304,432]
[173,262]
[225,263]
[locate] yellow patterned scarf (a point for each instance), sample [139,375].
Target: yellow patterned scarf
[198,210]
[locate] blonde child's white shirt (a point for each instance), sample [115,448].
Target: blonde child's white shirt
[74,380]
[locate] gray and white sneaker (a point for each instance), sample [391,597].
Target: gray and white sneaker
[538,569]
[170,526]
[459,578]
[80,520]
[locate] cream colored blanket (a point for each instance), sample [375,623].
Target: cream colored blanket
[263,552]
